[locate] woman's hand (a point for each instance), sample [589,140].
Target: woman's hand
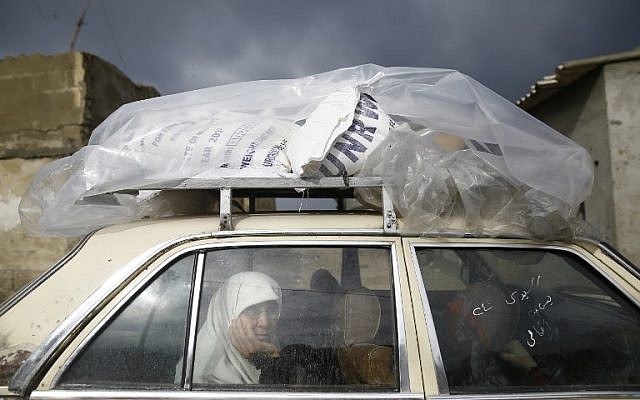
[245,341]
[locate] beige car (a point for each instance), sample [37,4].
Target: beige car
[336,304]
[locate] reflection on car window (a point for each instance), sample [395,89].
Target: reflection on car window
[526,320]
[303,317]
[296,316]
[143,344]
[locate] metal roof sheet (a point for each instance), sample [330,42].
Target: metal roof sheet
[567,73]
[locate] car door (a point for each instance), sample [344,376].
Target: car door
[341,321]
[523,319]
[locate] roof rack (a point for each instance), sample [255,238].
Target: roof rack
[332,187]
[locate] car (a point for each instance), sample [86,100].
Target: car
[344,304]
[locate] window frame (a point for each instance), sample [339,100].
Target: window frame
[131,294]
[200,250]
[441,378]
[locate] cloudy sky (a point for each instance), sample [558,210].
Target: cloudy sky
[183,45]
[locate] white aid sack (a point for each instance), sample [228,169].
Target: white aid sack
[226,140]
[348,152]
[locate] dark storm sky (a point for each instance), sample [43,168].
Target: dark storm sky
[183,45]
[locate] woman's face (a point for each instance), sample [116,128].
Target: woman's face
[263,318]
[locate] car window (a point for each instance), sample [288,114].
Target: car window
[305,317]
[143,344]
[522,320]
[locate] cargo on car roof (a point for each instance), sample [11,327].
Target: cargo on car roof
[442,144]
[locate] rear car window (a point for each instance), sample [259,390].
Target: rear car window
[333,323]
[528,320]
[269,318]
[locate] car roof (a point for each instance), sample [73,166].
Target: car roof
[247,223]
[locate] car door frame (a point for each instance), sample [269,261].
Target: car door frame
[409,371]
[434,376]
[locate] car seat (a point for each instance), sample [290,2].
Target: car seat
[357,321]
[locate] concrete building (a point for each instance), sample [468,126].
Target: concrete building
[596,102]
[48,107]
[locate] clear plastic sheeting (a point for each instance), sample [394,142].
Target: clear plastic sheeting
[445,145]
[435,179]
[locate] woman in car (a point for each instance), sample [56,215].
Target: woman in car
[241,323]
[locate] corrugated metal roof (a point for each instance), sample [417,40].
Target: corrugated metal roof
[567,73]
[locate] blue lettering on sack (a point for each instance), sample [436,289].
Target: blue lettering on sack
[334,160]
[365,107]
[158,139]
[188,152]
[189,149]
[324,170]
[246,160]
[368,101]
[367,112]
[239,133]
[215,135]
[366,132]
[206,155]
[273,153]
[348,148]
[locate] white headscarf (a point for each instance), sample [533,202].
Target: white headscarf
[217,360]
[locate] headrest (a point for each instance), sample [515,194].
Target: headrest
[323,281]
[357,316]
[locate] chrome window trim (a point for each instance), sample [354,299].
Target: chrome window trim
[201,395]
[437,355]
[616,256]
[30,287]
[620,259]
[403,367]
[441,376]
[5,393]
[235,395]
[195,307]
[541,396]
[379,242]
[374,242]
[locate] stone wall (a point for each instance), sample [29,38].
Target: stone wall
[48,108]
[580,112]
[622,93]
[599,111]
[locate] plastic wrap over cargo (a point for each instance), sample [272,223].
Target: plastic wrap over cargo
[443,142]
[435,179]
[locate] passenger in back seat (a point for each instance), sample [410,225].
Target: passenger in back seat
[241,322]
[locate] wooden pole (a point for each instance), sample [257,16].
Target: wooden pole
[79,26]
